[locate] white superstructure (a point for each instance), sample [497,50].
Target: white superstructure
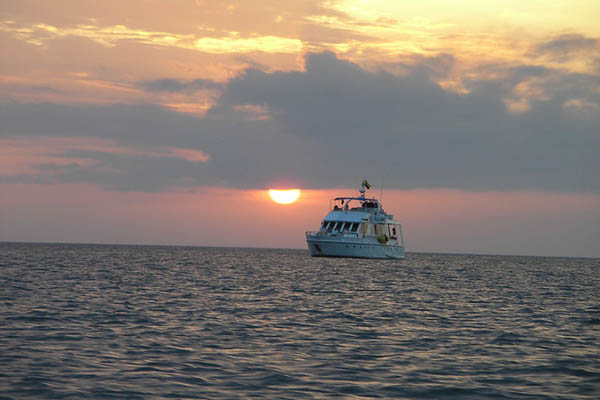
[357,227]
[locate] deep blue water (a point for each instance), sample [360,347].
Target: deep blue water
[145,322]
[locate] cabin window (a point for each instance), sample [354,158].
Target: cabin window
[354,227]
[347,226]
[392,231]
[330,225]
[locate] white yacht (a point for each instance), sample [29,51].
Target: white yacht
[357,227]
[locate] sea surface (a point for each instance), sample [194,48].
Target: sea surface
[152,322]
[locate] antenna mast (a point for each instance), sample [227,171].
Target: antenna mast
[364,186]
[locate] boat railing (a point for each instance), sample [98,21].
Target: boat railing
[329,233]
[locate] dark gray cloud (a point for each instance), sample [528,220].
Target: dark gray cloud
[128,172]
[336,123]
[438,66]
[565,44]
[426,136]
[44,89]
[174,85]
[139,125]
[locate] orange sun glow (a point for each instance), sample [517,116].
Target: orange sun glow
[284,196]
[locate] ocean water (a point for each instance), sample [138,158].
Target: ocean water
[145,322]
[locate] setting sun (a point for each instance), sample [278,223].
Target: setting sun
[284,196]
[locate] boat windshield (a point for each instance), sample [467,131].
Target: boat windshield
[346,203]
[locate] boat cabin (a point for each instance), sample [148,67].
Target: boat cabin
[359,217]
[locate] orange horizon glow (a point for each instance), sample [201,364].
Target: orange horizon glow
[434,220]
[288,196]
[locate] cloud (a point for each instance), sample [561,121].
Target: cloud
[574,51]
[109,36]
[250,151]
[426,135]
[565,44]
[336,123]
[178,86]
[125,172]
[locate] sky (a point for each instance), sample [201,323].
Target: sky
[165,122]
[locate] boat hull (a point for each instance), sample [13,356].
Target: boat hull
[319,247]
